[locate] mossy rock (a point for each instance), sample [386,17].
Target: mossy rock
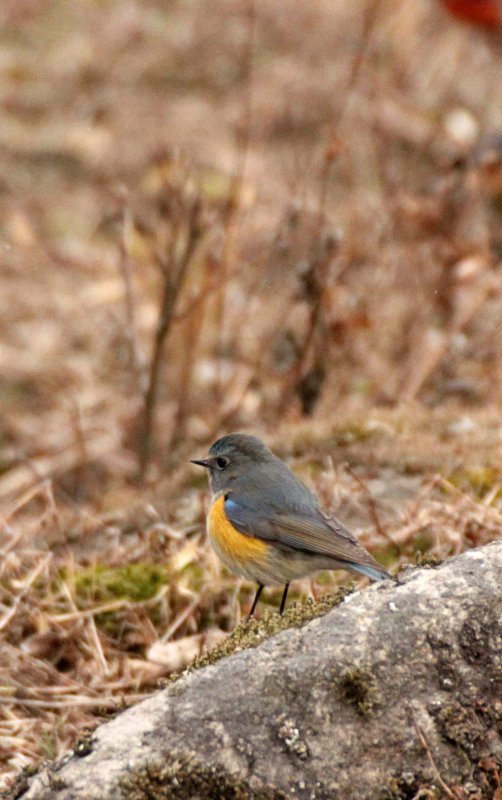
[251,633]
[184,778]
[357,686]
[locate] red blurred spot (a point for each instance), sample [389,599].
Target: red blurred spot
[487,13]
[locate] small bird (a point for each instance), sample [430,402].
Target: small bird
[267,526]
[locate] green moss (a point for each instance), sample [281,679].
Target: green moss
[406,787]
[460,724]
[422,543]
[181,777]
[215,186]
[357,686]
[56,782]
[387,556]
[427,560]
[184,778]
[49,744]
[352,433]
[21,783]
[478,480]
[100,583]
[478,640]
[251,633]
[194,574]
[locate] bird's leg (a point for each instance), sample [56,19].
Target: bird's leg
[256,598]
[283,601]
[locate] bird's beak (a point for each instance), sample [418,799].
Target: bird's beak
[202,462]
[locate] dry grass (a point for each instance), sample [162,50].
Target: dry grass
[220,216]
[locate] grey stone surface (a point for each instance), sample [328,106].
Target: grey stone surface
[330,710]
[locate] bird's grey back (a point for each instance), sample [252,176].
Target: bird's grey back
[276,488]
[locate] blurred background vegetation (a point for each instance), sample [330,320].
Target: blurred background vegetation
[221,215]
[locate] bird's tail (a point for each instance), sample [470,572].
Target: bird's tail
[374,573]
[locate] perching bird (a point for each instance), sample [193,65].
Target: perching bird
[267,526]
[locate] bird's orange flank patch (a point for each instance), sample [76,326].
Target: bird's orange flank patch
[232,545]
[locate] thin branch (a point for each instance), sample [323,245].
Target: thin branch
[334,145]
[244,132]
[30,580]
[180,619]
[423,741]
[135,358]
[174,278]
[89,702]
[372,506]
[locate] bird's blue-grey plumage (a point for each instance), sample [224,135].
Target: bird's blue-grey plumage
[264,499]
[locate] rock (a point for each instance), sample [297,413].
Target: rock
[398,688]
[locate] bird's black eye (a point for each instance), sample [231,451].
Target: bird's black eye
[221,462]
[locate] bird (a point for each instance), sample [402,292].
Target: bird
[266,525]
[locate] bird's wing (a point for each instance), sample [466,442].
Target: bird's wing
[313,533]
